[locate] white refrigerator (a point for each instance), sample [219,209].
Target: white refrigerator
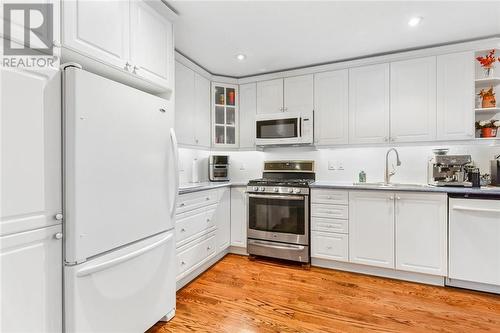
[120,192]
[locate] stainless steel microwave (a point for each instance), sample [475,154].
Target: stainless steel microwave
[284,129]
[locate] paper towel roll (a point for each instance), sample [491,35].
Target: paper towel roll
[195,173]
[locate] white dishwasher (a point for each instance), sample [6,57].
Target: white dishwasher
[474,242]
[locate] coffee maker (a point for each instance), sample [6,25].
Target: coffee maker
[450,170]
[495,171]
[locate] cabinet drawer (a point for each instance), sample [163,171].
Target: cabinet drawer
[329,246]
[335,197]
[196,200]
[191,257]
[330,225]
[330,211]
[193,224]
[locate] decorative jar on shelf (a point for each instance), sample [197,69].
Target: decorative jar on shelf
[489,132]
[487,98]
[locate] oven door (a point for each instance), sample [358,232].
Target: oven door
[280,130]
[280,218]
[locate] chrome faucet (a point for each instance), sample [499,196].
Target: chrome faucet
[388,174]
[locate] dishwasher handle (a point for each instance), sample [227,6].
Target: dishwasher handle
[474,209]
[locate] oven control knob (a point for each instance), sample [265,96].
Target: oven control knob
[262,189]
[276,189]
[255,188]
[290,190]
[297,190]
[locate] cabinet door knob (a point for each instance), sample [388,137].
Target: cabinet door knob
[127,66]
[391,197]
[183,262]
[386,139]
[135,69]
[208,220]
[182,204]
[59,216]
[398,198]
[59,235]
[208,247]
[182,230]
[208,198]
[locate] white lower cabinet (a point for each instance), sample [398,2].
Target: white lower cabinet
[421,232]
[202,229]
[371,228]
[31,283]
[223,219]
[239,217]
[402,231]
[333,246]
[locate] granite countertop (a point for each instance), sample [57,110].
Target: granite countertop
[407,187]
[204,186]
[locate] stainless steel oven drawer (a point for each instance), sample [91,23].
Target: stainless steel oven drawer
[278,250]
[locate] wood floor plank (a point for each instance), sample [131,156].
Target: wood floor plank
[238,295]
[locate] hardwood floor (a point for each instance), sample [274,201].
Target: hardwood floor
[239,295]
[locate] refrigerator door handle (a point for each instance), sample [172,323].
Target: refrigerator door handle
[116,261]
[175,153]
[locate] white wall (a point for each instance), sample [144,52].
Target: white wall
[246,165]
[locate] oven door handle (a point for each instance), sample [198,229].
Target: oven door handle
[275,246]
[280,197]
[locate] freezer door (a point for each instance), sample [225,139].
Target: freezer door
[127,290]
[120,180]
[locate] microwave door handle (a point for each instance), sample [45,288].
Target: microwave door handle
[277,197]
[300,126]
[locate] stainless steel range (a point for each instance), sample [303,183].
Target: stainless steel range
[278,211]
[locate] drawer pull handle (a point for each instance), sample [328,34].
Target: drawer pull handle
[182,204]
[182,230]
[183,262]
[208,220]
[208,247]
[208,198]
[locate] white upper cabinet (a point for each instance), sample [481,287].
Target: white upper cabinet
[331,107]
[202,111]
[129,36]
[270,96]
[192,107]
[421,232]
[371,228]
[455,96]
[31,150]
[225,115]
[369,104]
[99,29]
[413,100]
[152,45]
[184,104]
[248,105]
[298,94]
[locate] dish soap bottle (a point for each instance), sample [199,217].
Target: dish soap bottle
[362,177]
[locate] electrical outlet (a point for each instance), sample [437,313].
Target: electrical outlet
[340,166]
[331,165]
[242,167]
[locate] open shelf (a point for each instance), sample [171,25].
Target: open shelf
[485,82]
[487,110]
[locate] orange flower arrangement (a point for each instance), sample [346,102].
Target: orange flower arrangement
[488,60]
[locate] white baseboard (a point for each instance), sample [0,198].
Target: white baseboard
[203,267]
[490,288]
[238,250]
[378,271]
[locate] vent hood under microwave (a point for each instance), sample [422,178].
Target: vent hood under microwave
[284,129]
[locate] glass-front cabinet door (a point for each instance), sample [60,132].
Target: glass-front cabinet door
[224,115]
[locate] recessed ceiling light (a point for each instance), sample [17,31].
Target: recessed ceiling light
[241,57]
[414,21]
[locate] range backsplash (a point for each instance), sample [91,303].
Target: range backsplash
[336,164]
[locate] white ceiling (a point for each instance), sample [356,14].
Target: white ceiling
[278,35]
